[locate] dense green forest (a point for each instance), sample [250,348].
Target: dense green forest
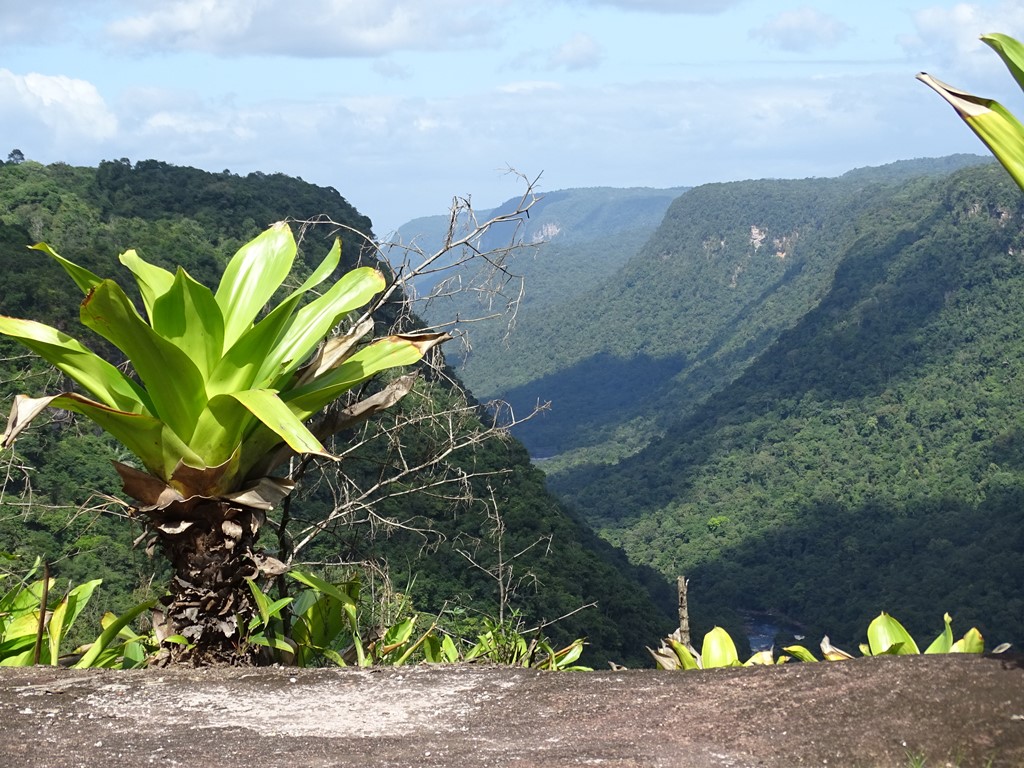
[870,457]
[803,394]
[730,267]
[52,501]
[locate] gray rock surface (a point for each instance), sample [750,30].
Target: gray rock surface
[951,710]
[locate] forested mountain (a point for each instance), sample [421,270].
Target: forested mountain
[574,240]
[182,216]
[804,395]
[730,267]
[870,456]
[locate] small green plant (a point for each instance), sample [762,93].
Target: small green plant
[718,650]
[886,636]
[33,628]
[507,643]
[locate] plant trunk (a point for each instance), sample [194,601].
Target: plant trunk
[212,549]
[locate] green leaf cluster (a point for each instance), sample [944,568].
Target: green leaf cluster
[238,388]
[886,637]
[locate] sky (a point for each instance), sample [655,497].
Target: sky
[403,104]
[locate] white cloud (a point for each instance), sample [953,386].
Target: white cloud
[668,6]
[529,86]
[948,37]
[580,51]
[308,28]
[64,110]
[801,30]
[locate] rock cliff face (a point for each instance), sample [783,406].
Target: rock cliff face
[964,711]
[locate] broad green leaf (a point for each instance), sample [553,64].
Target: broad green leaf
[449,649]
[972,642]
[277,643]
[252,277]
[800,653]
[315,320]
[570,654]
[342,595]
[187,315]
[268,609]
[153,281]
[64,615]
[148,438]
[83,278]
[94,374]
[1010,51]
[26,625]
[761,659]
[718,650]
[887,636]
[398,634]
[944,642]
[110,633]
[381,355]
[245,365]
[686,659]
[174,382]
[240,366]
[23,659]
[220,427]
[990,121]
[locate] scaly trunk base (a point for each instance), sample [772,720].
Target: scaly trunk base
[212,549]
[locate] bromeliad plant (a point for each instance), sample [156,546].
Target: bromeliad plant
[223,393]
[886,637]
[996,126]
[34,626]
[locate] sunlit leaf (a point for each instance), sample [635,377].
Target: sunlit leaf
[84,279]
[991,122]
[173,380]
[972,642]
[252,277]
[944,642]
[718,650]
[887,636]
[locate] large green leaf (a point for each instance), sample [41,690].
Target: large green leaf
[152,441]
[1010,51]
[944,642]
[389,352]
[239,367]
[971,642]
[99,378]
[175,384]
[686,659]
[315,320]
[153,281]
[188,316]
[84,279]
[887,636]
[991,122]
[110,633]
[254,360]
[718,650]
[222,426]
[252,277]
[64,615]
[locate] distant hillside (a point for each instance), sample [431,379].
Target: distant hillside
[183,216]
[869,457]
[730,267]
[577,238]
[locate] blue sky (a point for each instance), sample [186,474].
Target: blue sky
[402,104]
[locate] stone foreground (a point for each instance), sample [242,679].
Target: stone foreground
[951,710]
